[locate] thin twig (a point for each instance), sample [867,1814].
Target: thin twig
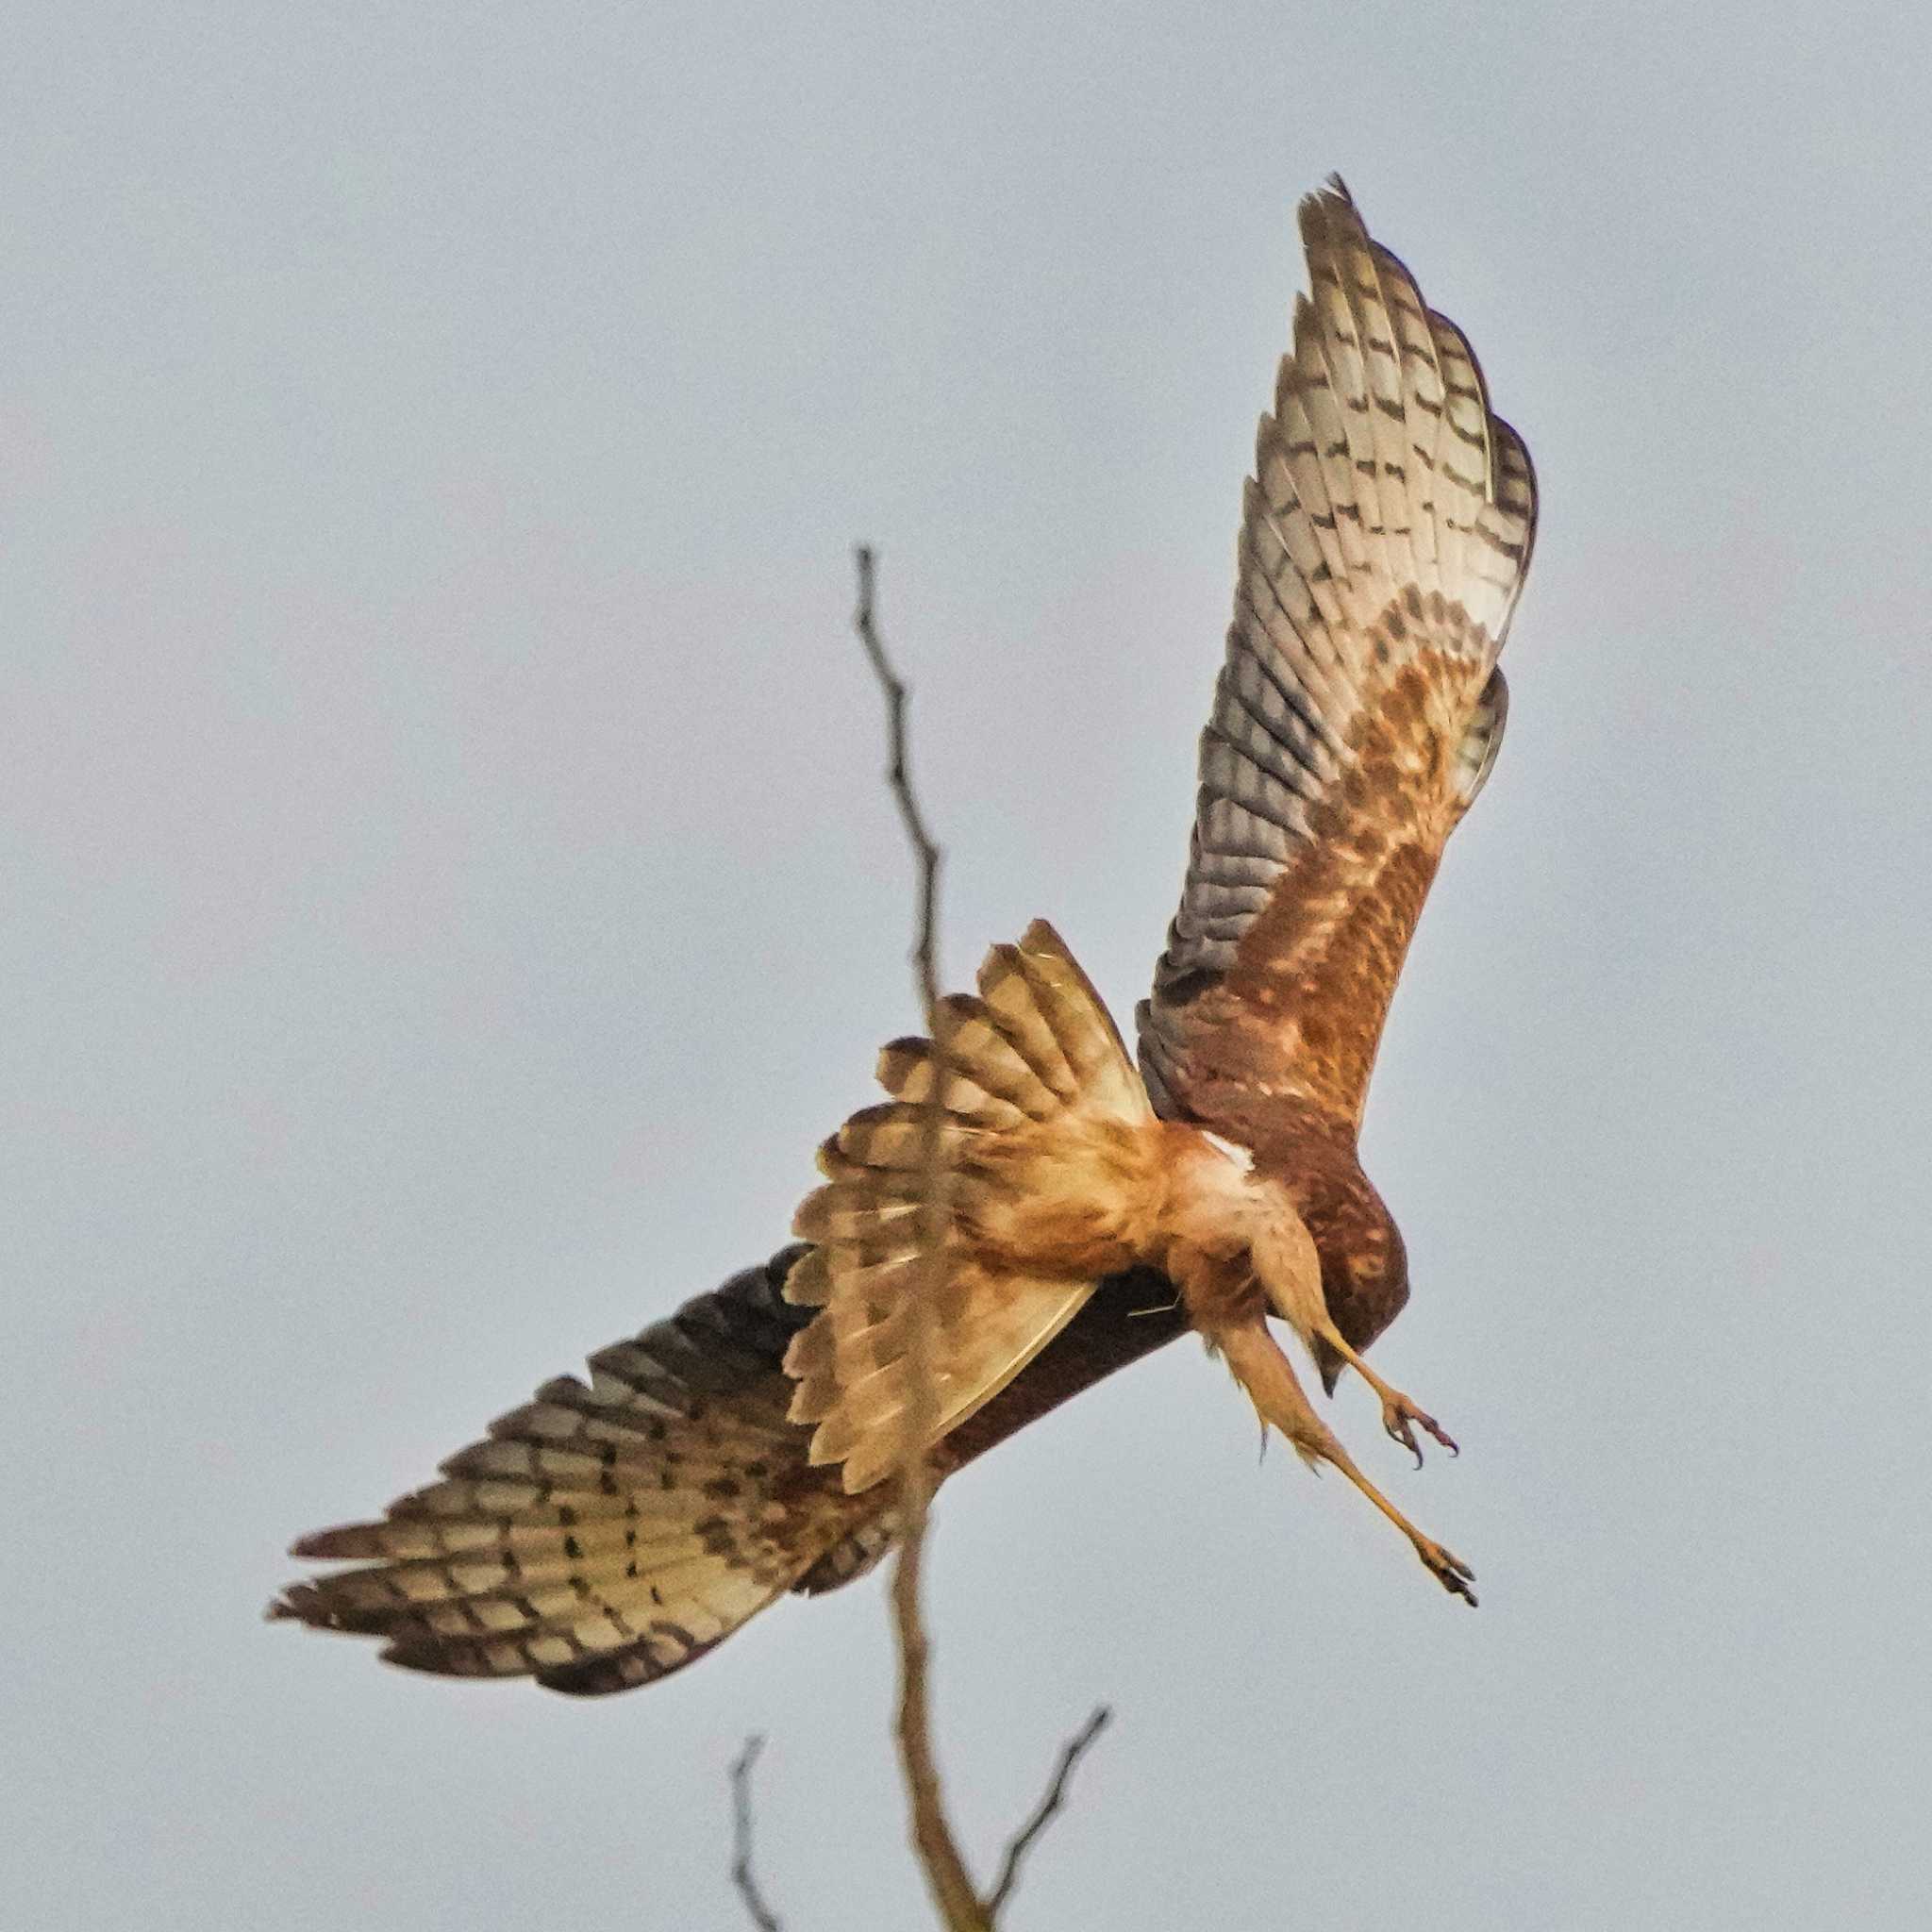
[762,1916]
[958,1900]
[932,1833]
[1076,1747]
[926,851]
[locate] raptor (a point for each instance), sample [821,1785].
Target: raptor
[1096,1205]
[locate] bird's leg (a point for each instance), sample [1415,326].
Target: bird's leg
[1268,1375]
[1398,1410]
[1289,1273]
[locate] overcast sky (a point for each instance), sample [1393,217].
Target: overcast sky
[448,894]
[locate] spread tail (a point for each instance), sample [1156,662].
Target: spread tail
[1043,1140]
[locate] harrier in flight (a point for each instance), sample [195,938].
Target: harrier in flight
[610,1531]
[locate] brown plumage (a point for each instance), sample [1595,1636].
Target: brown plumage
[1384,541]
[612,1531]
[1051,1155]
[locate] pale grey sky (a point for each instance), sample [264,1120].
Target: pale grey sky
[449,893]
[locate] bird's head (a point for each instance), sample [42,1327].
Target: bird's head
[1364,1274]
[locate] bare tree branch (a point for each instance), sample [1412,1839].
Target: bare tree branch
[932,1833]
[961,1905]
[1052,1802]
[926,851]
[762,1916]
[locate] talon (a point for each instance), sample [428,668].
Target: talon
[1399,1412]
[1451,1571]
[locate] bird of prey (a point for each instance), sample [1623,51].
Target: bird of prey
[612,1530]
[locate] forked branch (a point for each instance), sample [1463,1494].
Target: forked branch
[932,1833]
[1052,1802]
[962,1908]
[959,1900]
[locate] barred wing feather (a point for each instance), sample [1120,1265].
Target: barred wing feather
[1385,536]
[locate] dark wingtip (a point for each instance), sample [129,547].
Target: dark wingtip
[331,1545]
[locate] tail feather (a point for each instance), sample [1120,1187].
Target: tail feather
[968,1035]
[893,1136]
[1082,1028]
[1041,1109]
[906,1070]
[1014,1002]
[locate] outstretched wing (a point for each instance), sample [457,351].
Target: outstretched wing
[613,1529]
[1385,536]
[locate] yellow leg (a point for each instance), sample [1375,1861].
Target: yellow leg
[1398,1411]
[1268,1375]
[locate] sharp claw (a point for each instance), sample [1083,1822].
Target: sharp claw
[1452,1572]
[1396,1421]
[1396,1424]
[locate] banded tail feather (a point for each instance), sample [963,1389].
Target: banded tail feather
[1045,1149]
